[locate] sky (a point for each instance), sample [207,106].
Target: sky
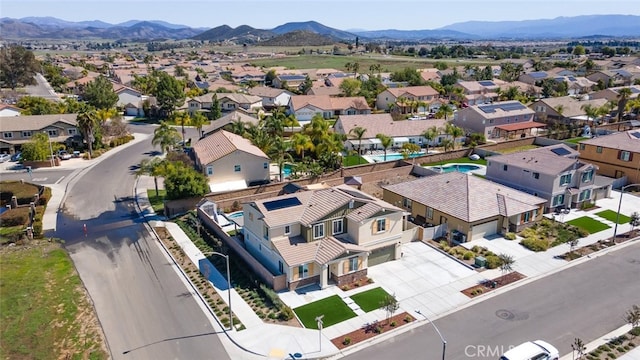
[339,14]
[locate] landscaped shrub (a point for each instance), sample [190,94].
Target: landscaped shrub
[346,341]
[15,217]
[493,262]
[408,319]
[535,244]
[635,331]
[587,205]
[468,255]
[286,313]
[510,236]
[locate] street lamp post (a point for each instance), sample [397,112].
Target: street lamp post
[226,257]
[444,342]
[615,227]
[50,147]
[319,322]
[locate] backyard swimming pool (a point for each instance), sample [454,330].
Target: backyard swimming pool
[464,168]
[390,157]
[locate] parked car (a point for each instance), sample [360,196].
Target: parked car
[4,157]
[64,155]
[17,156]
[532,350]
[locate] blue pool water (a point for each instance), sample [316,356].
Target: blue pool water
[390,157]
[286,170]
[455,167]
[235,215]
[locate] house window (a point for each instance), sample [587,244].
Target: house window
[52,132]
[72,131]
[558,200]
[505,167]
[287,229]
[406,203]
[236,168]
[526,217]
[303,271]
[429,213]
[338,226]
[587,175]
[599,149]
[491,121]
[535,175]
[625,155]
[280,267]
[265,166]
[265,232]
[582,146]
[318,231]
[353,264]
[7,135]
[585,195]
[381,225]
[565,179]
[26,134]
[209,170]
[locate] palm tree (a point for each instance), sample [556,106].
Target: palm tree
[260,138]
[447,143]
[454,131]
[198,120]
[165,136]
[238,127]
[182,118]
[87,122]
[386,142]
[444,111]
[301,142]
[317,129]
[623,96]
[290,121]
[153,167]
[592,113]
[430,135]
[358,133]
[278,153]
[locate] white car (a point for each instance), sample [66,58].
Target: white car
[64,155]
[532,350]
[4,157]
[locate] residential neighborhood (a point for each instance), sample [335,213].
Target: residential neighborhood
[232,197]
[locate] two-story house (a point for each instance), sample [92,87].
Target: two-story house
[18,130]
[617,155]
[565,109]
[230,162]
[305,107]
[479,92]
[496,120]
[469,206]
[227,101]
[403,98]
[553,173]
[271,98]
[319,237]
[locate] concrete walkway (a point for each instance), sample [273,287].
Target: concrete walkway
[423,279]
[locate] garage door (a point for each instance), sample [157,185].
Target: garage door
[382,255]
[486,229]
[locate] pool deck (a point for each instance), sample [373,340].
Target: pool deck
[481,171]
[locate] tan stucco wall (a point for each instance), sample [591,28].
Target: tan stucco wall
[608,162]
[251,166]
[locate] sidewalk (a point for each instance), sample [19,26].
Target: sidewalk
[434,300]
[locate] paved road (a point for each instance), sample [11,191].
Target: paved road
[42,89]
[145,309]
[584,301]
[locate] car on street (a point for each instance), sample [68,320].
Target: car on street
[4,157]
[64,155]
[532,350]
[17,156]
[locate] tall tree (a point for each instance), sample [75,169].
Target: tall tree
[623,97]
[358,133]
[18,66]
[182,181]
[88,122]
[99,93]
[169,92]
[444,112]
[35,105]
[430,134]
[152,167]
[198,120]
[165,136]
[386,141]
[37,148]
[350,87]
[182,118]
[301,142]
[216,110]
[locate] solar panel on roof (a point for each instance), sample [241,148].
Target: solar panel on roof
[281,203]
[486,83]
[538,74]
[560,151]
[571,78]
[636,134]
[511,106]
[487,108]
[635,91]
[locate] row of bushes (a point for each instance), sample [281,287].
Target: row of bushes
[120,140]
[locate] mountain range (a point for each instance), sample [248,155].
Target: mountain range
[558,28]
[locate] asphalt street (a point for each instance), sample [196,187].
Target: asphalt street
[584,301]
[144,307]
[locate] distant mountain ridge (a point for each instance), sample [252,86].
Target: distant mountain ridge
[558,28]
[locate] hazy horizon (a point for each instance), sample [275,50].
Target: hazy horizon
[343,15]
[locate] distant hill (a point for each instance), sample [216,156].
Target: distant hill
[315,27]
[299,38]
[414,35]
[243,33]
[560,27]
[156,22]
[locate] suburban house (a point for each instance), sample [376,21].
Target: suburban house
[534,77]
[401,131]
[131,100]
[479,92]
[9,110]
[227,101]
[292,81]
[612,78]
[228,119]
[18,130]
[305,107]
[576,85]
[403,96]
[564,109]
[271,98]
[323,236]
[617,155]
[553,173]
[471,207]
[613,94]
[500,119]
[230,162]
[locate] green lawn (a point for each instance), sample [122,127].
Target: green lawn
[43,308]
[462,160]
[611,216]
[588,224]
[157,201]
[333,309]
[370,300]
[351,160]
[576,140]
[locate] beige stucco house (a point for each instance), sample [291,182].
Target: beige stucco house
[230,162]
